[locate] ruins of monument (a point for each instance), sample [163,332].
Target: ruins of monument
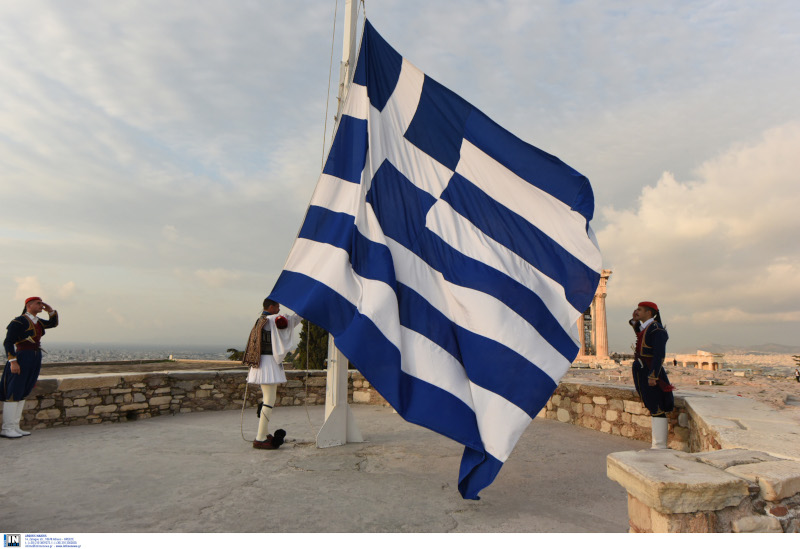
[592,326]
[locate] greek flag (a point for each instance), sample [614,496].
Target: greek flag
[449,259]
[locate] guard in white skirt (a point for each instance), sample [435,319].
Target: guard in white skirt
[270,340]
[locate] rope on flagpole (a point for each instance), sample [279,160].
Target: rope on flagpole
[328,96]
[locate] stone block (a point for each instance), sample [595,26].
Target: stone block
[616,404]
[605,427]
[105,409]
[688,523]
[79,411]
[136,406]
[633,407]
[79,402]
[159,400]
[162,390]
[668,482]
[316,382]
[600,400]
[121,391]
[626,417]
[202,393]
[563,415]
[612,415]
[638,515]
[642,421]
[777,479]
[362,397]
[45,386]
[722,459]
[47,403]
[681,433]
[683,419]
[757,524]
[95,382]
[50,413]
[588,409]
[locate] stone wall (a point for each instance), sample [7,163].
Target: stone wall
[80,400]
[617,410]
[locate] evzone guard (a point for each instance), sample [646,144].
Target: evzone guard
[269,341]
[649,375]
[24,362]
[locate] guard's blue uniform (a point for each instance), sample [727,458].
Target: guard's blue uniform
[23,337]
[651,348]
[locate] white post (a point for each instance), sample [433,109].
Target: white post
[340,426]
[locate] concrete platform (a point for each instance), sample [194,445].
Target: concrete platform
[195,473]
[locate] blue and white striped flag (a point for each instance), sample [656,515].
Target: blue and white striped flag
[449,259]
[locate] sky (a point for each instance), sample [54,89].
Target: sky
[157,158]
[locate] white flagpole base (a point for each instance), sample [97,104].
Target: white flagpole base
[340,424]
[339,429]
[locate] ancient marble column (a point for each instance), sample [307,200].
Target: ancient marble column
[600,324]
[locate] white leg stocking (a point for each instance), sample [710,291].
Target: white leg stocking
[270,392]
[9,419]
[20,409]
[660,426]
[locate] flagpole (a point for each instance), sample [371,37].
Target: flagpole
[340,426]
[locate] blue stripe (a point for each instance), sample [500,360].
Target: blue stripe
[438,124]
[401,209]
[535,166]
[478,470]
[378,359]
[488,363]
[328,227]
[525,239]
[348,152]
[398,204]
[378,67]
[369,259]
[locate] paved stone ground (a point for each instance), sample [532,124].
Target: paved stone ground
[195,473]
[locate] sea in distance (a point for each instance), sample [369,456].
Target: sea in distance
[85,352]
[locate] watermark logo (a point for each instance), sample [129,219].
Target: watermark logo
[12,540]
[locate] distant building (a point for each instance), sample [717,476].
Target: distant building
[702,360]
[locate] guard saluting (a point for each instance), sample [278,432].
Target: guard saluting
[24,363]
[649,375]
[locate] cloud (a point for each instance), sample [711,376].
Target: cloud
[27,286]
[67,290]
[719,248]
[116,316]
[217,278]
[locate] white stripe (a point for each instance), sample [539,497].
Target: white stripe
[500,422]
[357,103]
[337,195]
[477,312]
[425,360]
[468,239]
[386,130]
[331,266]
[550,215]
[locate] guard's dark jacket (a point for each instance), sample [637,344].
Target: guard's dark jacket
[23,333]
[651,347]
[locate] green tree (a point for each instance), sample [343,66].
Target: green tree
[314,344]
[235,354]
